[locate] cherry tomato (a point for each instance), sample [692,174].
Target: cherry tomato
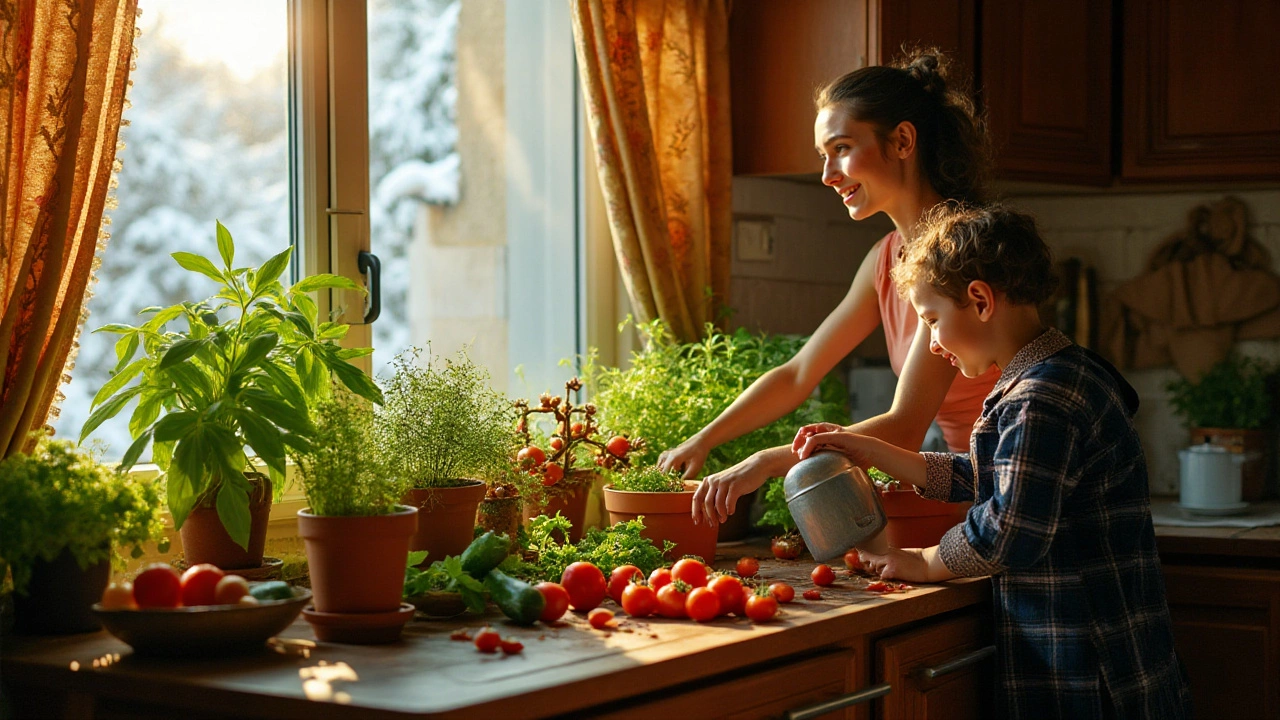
[761,607]
[786,547]
[782,592]
[531,456]
[729,589]
[577,429]
[852,561]
[551,474]
[585,584]
[511,646]
[691,571]
[639,600]
[702,604]
[556,443]
[199,583]
[119,596]
[487,640]
[823,575]
[555,601]
[230,589]
[813,594]
[879,586]
[618,445]
[748,566]
[671,599]
[658,578]
[601,619]
[620,578]
[157,586]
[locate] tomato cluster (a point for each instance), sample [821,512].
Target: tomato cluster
[688,590]
[574,425]
[160,586]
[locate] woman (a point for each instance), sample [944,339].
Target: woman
[893,139]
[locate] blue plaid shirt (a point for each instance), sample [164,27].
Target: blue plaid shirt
[1062,522]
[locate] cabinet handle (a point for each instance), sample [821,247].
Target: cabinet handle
[956,663]
[852,698]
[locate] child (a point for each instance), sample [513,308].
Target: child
[1061,517]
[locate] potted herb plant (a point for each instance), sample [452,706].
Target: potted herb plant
[63,518]
[500,510]
[563,469]
[355,530]
[243,375]
[443,430]
[672,390]
[1231,406]
[664,503]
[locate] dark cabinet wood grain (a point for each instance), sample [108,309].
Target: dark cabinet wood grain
[903,661]
[949,25]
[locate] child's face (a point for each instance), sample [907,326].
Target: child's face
[956,333]
[854,164]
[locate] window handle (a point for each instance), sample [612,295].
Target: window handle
[370,266]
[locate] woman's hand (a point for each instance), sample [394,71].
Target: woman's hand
[809,431]
[897,564]
[717,495]
[689,457]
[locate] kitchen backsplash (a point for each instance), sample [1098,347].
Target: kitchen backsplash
[796,251]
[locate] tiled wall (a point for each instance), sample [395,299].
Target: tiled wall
[817,248]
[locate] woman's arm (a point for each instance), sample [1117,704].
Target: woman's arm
[922,387]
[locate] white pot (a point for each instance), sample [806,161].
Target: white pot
[1210,477]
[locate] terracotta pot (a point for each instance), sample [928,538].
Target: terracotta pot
[1254,472]
[357,563]
[572,505]
[916,522]
[446,518]
[667,516]
[60,596]
[204,540]
[739,523]
[501,516]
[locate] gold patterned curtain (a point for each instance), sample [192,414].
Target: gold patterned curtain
[655,75]
[64,69]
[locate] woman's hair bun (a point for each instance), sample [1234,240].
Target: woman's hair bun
[929,68]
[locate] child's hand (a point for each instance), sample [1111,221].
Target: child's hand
[897,564]
[832,437]
[808,431]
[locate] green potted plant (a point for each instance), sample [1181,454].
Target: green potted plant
[663,502]
[354,528]
[672,390]
[63,518]
[443,430]
[243,374]
[1231,406]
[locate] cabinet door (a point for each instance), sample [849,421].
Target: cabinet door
[1201,92]
[1046,84]
[1226,625]
[943,670]
[946,24]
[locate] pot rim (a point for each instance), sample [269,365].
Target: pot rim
[687,490]
[401,511]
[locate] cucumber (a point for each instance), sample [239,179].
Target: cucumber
[484,554]
[272,590]
[517,599]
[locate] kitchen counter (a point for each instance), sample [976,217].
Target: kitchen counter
[1235,542]
[569,668]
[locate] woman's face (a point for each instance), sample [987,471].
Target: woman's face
[867,175]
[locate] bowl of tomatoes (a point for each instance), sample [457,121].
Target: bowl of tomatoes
[200,612]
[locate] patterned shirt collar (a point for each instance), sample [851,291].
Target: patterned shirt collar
[1049,342]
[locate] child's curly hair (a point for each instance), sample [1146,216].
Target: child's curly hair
[956,244]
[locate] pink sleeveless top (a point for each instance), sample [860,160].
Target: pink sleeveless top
[963,403]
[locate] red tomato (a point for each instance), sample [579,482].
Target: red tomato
[761,608]
[691,571]
[585,584]
[852,561]
[230,589]
[639,600]
[577,429]
[729,589]
[782,592]
[511,646]
[555,601]
[748,566]
[119,596]
[552,474]
[787,547]
[157,586]
[620,578]
[601,619]
[487,640]
[879,586]
[823,575]
[531,456]
[671,599]
[199,583]
[556,443]
[618,445]
[702,604]
[658,578]
[813,594]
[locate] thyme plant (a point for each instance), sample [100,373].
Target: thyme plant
[340,474]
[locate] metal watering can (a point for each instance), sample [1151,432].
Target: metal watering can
[834,503]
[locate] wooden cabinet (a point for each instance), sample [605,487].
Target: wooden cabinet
[1046,84]
[942,670]
[946,24]
[1201,93]
[1226,623]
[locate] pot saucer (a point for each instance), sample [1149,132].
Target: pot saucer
[359,628]
[1217,511]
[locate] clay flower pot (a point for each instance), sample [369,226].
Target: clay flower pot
[446,518]
[204,540]
[916,522]
[571,503]
[357,563]
[667,516]
[60,596]
[739,523]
